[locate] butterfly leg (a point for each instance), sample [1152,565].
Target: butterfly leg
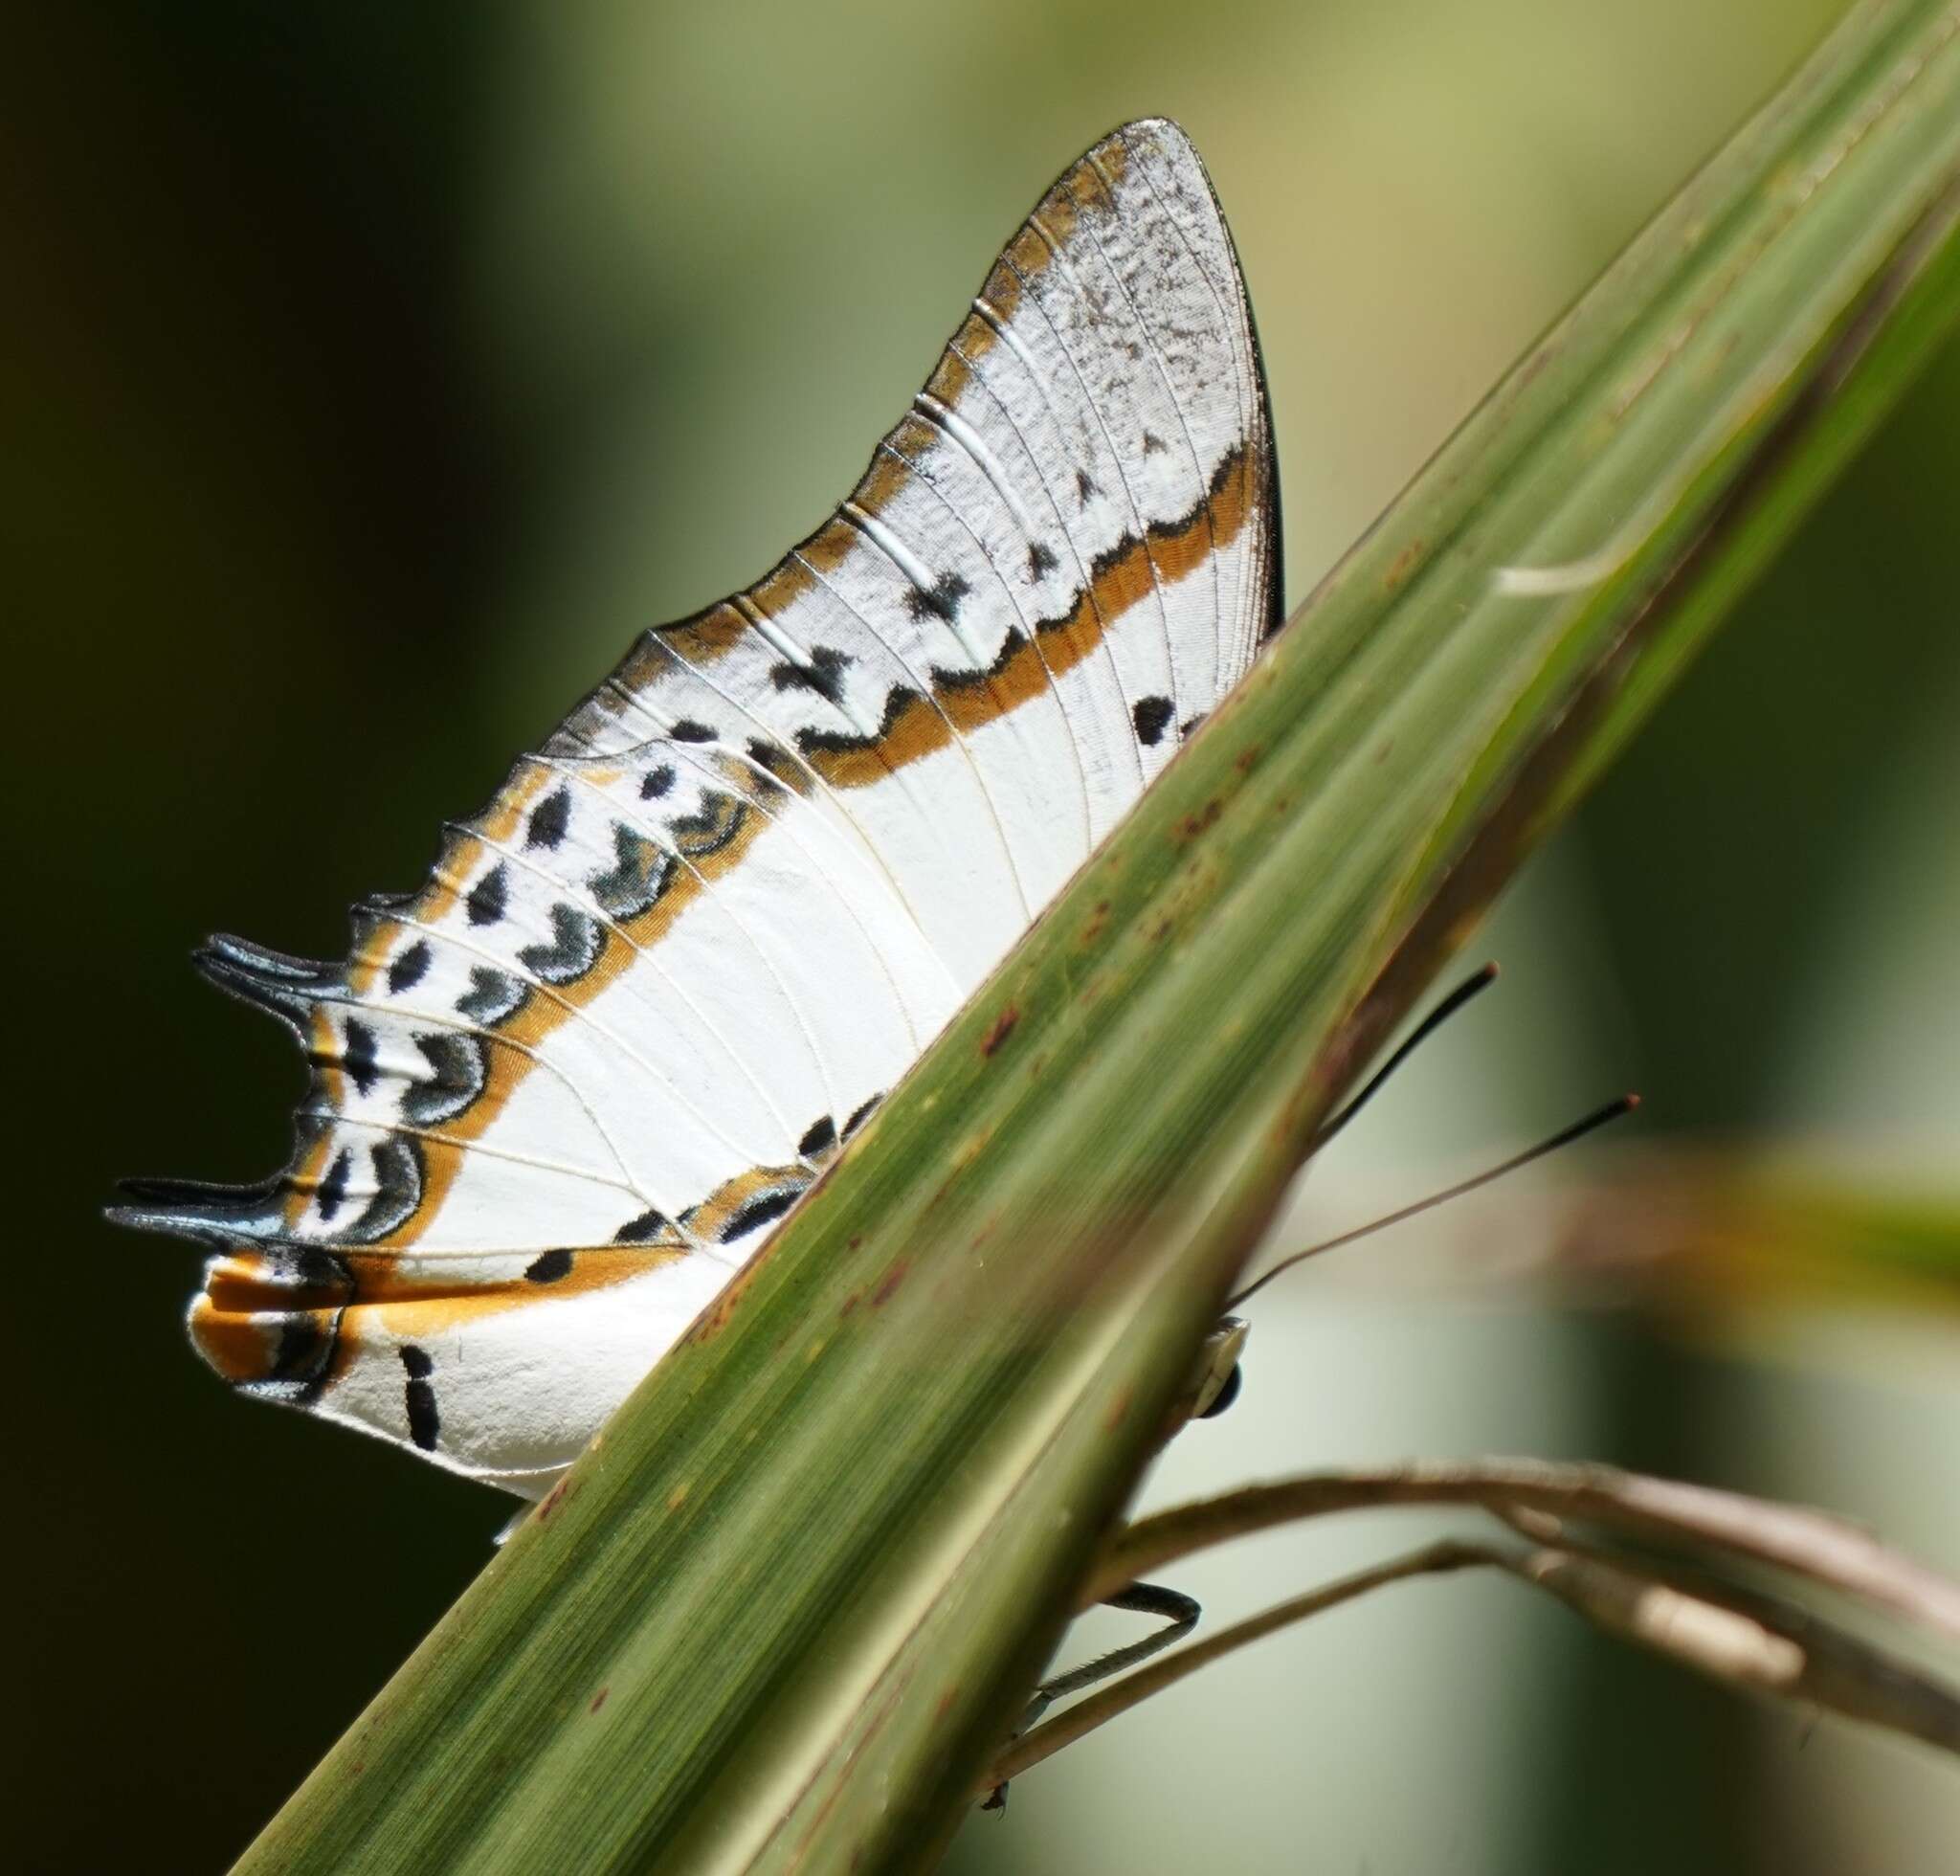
[1180,1613]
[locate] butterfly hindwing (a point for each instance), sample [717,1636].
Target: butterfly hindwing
[561,1092]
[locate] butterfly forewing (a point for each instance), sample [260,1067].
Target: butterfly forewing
[565,1091]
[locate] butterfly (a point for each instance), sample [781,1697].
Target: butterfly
[565,1091]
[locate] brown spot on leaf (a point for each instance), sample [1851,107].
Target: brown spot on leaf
[599,1700]
[889,1287]
[1193,825]
[1003,1026]
[553,1499]
[1402,565]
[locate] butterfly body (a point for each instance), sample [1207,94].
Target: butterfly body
[563,1093]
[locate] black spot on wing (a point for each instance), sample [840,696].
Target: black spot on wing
[821,1137]
[493,997]
[843,742]
[688,730]
[859,1115]
[397,1163]
[823,672]
[549,819]
[940,600]
[1152,716]
[656,782]
[358,1057]
[720,819]
[425,1423]
[642,872]
[1012,642]
[406,971]
[303,1356]
[458,1071]
[1041,561]
[333,1189]
[300,1357]
[548,1267]
[762,1208]
[645,1229]
[1085,489]
[488,897]
[779,770]
[576,940]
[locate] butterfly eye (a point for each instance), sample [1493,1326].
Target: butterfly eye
[1227,1393]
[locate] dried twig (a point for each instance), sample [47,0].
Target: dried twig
[1747,1641]
[1744,1642]
[1086,1715]
[1811,1544]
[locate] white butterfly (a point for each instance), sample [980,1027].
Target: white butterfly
[561,1094]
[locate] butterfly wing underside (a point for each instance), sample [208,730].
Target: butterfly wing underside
[563,1093]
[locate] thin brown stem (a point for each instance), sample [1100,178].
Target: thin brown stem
[1085,1716]
[1809,1544]
[1744,1642]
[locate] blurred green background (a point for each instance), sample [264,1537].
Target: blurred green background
[373,372]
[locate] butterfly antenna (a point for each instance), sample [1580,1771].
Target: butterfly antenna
[1564,1137]
[1472,986]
